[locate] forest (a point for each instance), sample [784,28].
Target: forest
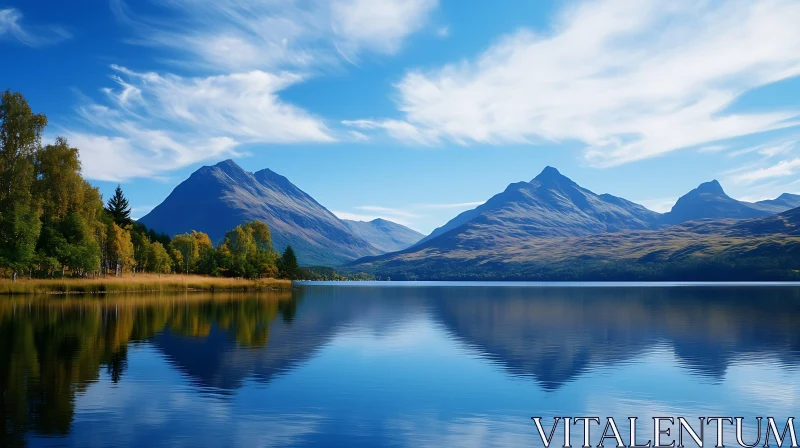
[54,223]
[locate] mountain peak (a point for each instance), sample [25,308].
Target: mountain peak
[549,175]
[228,164]
[712,187]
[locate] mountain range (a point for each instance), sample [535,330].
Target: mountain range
[544,228]
[551,228]
[215,199]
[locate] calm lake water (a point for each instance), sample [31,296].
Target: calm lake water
[401,365]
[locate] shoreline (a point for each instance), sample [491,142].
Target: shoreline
[141,283]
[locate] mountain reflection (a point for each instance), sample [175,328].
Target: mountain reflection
[51,349]
[554,335]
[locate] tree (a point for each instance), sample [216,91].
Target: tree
[120,248]
[82,253]
[247,251]
[58,184]
[20,138]
[288,264]
[186,245]
[70,211]
[158,259]
[119,208]
[206,262]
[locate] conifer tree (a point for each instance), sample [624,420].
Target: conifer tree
[119,208]
[289,265]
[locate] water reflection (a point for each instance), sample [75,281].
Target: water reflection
[51,349]
[378,356]
[555,334]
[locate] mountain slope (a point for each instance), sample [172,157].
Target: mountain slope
[215,199]
[710,201]
[765,248]
[780,204]
[384,235]
[549,205]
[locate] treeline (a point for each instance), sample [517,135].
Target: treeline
[324,273]
[54,223]
[721,267]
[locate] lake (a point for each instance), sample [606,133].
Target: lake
[430,365]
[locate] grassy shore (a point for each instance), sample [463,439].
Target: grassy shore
[139,283]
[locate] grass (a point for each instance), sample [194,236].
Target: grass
[139,283]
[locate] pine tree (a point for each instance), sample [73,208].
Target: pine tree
[119,208]
[288,265]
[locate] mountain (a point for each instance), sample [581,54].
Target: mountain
[766,248]
[782,203]
[215,199]
[384,235]
[549,205]
[710,201]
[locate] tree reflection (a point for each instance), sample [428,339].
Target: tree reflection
[52,349]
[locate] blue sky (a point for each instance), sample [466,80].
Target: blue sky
[415,110]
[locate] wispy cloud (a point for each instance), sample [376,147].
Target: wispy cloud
[239,35]
[11,27]
[629,80]
[781,169]
[249,52]
[398,129]
[768,150]
[765,165]
[153,123]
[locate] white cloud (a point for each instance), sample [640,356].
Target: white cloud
[629,80]
[781,169]
[712,148]
[156,123]
[377,25]
[770,169]
[244,35]
[11,27]
[397,129]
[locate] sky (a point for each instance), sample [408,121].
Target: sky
[416,110]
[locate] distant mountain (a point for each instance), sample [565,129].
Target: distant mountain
[384,235]
[710,201]
[782,203]
[551,228]
[215,199]
[766,248]
[551,205]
